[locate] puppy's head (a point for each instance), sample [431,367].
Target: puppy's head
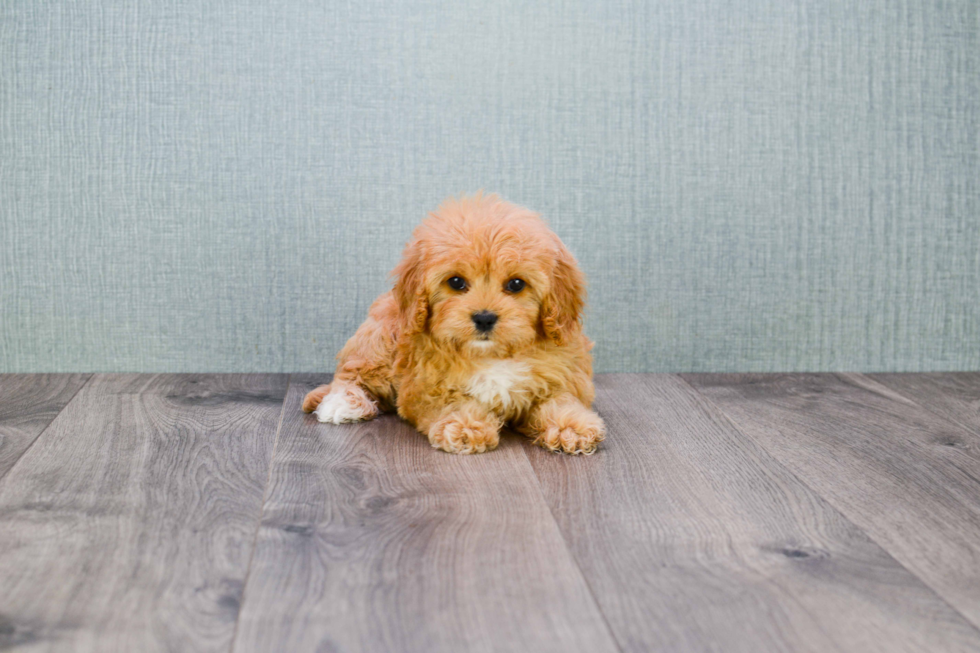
[487,278]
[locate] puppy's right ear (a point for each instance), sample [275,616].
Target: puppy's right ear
[409,289]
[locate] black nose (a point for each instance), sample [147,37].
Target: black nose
[484,321]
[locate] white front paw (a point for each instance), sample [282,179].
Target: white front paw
[346,404]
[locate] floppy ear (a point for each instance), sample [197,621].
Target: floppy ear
[562,307]
[409,289]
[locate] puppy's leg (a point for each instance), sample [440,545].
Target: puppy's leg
[343,401]
[465,427]
[563,423]
[363,383]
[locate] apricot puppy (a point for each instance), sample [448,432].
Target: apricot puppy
[481,329]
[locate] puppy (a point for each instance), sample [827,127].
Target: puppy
[481,329]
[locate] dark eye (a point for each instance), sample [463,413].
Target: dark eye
[457,283]
[515,285]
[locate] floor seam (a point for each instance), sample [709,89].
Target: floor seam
[46,427]
[571,555]
[258,526]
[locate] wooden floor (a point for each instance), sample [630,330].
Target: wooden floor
[723,513]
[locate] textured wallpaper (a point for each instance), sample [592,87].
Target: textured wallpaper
[193,185]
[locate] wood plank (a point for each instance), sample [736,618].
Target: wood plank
[907,477]
[952,395]
[28,403]
[371,540]
[128,526]
[693,538]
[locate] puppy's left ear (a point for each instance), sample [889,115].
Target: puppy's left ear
[561,309]
[409,289]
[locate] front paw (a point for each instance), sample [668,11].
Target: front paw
[576,432]
[464,431]
[346,403]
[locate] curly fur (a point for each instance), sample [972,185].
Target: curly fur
[419,352]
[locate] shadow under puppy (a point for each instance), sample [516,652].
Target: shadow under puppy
[481,329]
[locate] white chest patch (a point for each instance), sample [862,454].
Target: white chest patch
[498,382]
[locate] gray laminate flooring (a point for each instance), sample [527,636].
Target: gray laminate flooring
[740,512]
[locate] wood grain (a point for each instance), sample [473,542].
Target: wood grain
[952,395]
[128,525]
[371,540]
[28,403]
[693,538]
[909,478]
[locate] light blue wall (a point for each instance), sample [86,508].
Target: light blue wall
[197,185]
